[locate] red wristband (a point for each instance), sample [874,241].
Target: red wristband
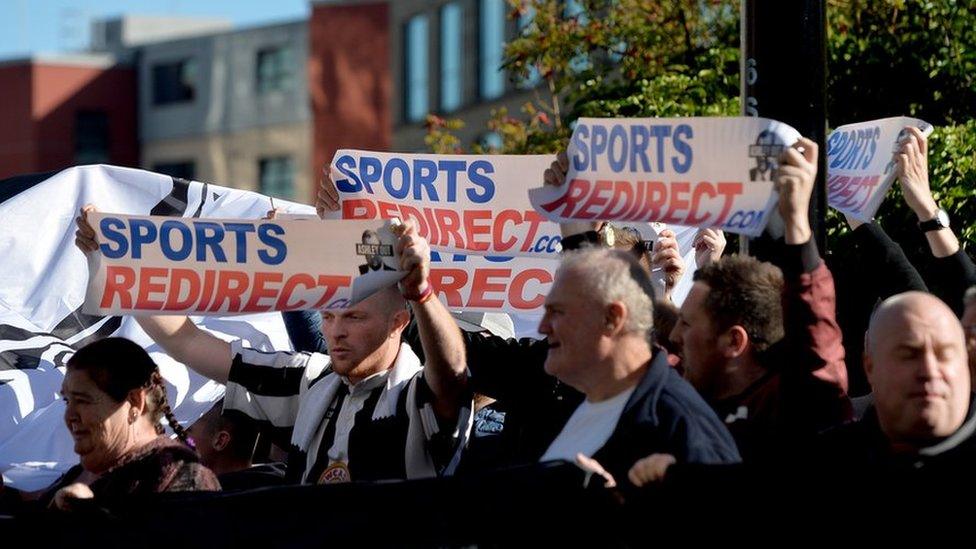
[423,297]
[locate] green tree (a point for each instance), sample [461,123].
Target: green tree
[647,58]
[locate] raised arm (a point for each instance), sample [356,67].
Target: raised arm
[444,365]
[177,335]
[954,270]
[813,337]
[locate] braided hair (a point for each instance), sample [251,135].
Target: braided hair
[118,365]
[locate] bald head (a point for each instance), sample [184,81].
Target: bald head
[903,310]
[916,362]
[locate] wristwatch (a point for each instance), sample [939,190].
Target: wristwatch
[939,222]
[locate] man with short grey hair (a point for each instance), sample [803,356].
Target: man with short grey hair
[604,393]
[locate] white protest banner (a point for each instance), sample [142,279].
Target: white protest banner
[44,281]
[473,204]
[861,163]
[514,285]
[700,172]
[212,266]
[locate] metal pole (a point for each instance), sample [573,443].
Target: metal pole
[784,77]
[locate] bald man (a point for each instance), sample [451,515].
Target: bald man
[916,362]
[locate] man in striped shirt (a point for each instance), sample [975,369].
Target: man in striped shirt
[367,411]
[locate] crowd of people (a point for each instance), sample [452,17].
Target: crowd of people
[761,364]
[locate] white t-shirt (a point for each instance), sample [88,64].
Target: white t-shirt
[588,429]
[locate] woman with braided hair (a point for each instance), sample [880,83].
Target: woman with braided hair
[114,400]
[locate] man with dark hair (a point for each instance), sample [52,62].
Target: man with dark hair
[226,445]
[762,345]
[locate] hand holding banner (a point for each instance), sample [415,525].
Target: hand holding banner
[213,267]
[861,164]
[702,172]
[461,203]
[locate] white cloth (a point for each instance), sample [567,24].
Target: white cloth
[588,429]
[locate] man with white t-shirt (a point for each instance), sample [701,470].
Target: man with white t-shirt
[604,391]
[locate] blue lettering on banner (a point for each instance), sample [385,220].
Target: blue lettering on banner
[142,232]
[549,244]
[111,228]
[267,235]
[166,240]
[745,219]
[417,178]
[643,149]
[852,149]
[177,240]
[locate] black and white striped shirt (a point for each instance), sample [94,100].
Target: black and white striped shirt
[380,428]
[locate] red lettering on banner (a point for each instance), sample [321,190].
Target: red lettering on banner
[449,224]
[473,231]
[451,290]
[505,216]
[209,279]
[677,203]
[177,278]
[119,281]
[620,189]
[597,198]
[516,294]
[409,212]
[331,283]
[730,190]
[432,223]
[387,210]
[259,291]
[289,288]
[578,188]
[231,285]
[358,208]
[147,286]
[655,196]
[534,219]
[482,286]
[696,196]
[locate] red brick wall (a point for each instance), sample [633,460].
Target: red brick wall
[59,92]
[349,79]
[18,152]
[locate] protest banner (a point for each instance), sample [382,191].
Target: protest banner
[158,264]
[45,279]
[513,285]
[699,172]
[861,163]
[474,204]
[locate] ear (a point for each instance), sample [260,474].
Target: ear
[615,318]
[221,440]
[137,399]
[735,342]
[400,320]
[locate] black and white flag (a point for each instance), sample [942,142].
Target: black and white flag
[43,277]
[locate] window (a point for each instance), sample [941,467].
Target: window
[274,69]
[185,169]
[491,142]
[534,77]
[276,177]
[451,44]
[574,9]
[91,137]
[417,65]
[491,43]
[174,82]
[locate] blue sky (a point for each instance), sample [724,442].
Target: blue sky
[49,26]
